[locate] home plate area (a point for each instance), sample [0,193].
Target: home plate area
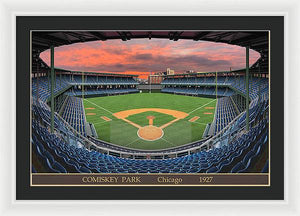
[150,132]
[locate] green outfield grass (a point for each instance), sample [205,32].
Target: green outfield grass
[160,118]
[119,132]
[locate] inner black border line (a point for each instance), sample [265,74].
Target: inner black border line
[157,174]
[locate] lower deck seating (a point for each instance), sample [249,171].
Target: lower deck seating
[237,99]
[73,113]
[59,104]
[225,113]
[42,112]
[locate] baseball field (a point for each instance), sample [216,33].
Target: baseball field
[149,120]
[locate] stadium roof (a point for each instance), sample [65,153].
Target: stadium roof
[256,40]
[64,71]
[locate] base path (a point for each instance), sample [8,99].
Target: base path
[132,123]
[169,123]
[126,113]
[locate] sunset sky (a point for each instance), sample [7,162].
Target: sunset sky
[142,56]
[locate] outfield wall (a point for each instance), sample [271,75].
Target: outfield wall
[152,91]
[148,87]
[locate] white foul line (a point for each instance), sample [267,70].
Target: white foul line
[101,122]
[131,142]
[199,123]
[99,106]
[167,141]
[201,106]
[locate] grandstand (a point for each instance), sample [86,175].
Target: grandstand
[73,113]
[235,141]
[230,91]
[71,84]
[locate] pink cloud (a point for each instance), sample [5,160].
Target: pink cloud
[141,56]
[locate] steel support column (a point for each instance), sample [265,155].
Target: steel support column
[216,85]
[247,87]
[259,92]
[82,86]
[52,88]
[250,82]
[48,74]
[37,82]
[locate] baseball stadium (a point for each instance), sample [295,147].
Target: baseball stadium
[189,122]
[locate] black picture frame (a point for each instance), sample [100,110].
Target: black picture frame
[24,24]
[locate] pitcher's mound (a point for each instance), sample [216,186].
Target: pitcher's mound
[150,117]
[150,133]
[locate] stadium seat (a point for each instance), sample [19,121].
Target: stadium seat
[212,170]
[57,166]
[239,166]
[266,167]
[84,170]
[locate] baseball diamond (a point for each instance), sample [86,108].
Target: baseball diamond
[149,121]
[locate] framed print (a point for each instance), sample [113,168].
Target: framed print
[180,107]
